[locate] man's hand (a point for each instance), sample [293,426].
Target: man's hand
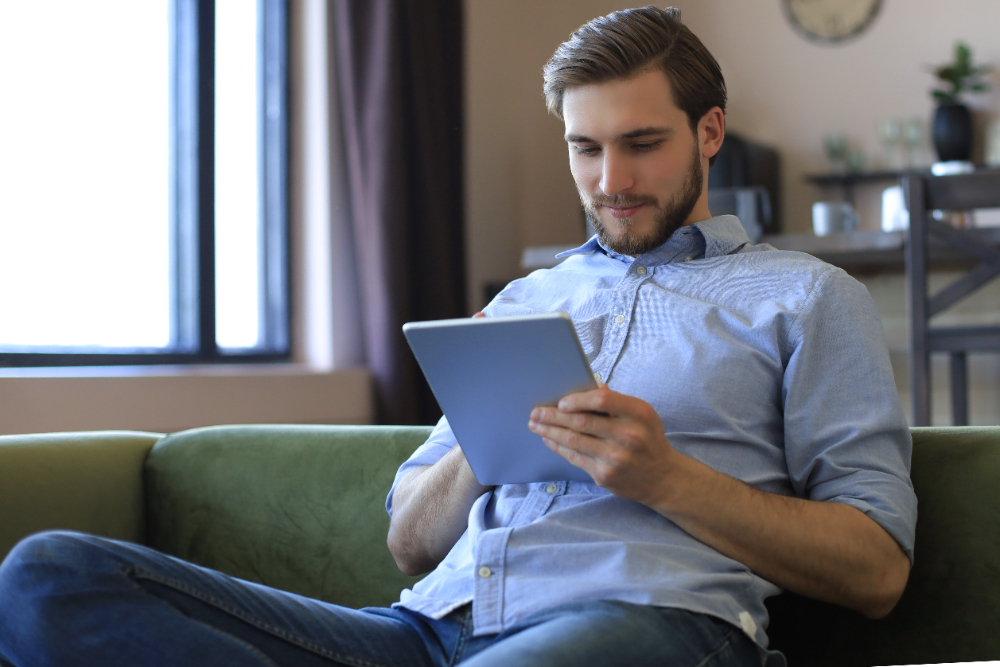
[825,550]
[617,439]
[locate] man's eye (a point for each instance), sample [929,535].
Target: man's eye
[586,150]
[642,148]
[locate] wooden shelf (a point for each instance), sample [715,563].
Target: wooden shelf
[852,178]
[855,252]
[874,252]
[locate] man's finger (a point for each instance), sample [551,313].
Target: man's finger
[591,423]
[586,444]
[601,400]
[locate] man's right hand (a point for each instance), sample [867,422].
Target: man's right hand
[430,512]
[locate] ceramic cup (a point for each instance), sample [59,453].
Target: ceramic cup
[833,216]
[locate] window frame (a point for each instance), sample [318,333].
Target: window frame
[192,202]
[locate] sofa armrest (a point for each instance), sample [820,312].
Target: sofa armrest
[88,481]
[950,608]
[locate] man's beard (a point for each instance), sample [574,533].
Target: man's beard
[666,220]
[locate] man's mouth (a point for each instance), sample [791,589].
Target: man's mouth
[624,211]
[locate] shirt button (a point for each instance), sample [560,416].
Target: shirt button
[551,488]
[619,319]
[641,270]
[485,572]
[597,376]
[688,258]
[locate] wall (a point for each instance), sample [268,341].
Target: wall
[783,90]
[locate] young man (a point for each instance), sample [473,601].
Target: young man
[748,437]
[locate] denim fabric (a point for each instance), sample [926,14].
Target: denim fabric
[766,365]
[76,600]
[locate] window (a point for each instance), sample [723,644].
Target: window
[143,182]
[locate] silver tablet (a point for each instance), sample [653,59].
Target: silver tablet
[488,374]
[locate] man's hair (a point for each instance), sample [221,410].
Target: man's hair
[630,42]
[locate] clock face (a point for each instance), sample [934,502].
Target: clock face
[831,21]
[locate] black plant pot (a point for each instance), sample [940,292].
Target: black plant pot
[953,132]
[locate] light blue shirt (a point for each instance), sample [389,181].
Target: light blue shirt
[769,366]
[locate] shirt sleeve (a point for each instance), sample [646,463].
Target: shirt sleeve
[846,438]
[440,441]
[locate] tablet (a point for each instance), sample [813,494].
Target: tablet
[488,374]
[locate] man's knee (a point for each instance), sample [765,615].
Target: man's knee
[38,557]
[49,547]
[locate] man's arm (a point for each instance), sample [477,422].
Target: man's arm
[430,511]
[825,550]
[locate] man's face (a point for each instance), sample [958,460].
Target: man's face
[636,162]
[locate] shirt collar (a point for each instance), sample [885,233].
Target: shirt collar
[721,235]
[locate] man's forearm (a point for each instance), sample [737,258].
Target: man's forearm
[430,510]
[825,550]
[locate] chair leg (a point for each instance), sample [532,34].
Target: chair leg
[959,390]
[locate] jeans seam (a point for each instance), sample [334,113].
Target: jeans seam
[722,647]
[457,656]
[302,642]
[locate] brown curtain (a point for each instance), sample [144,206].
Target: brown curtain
[399,68]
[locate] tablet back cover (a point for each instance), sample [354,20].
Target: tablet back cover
[488,374]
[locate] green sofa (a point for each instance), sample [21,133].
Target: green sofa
[302,508]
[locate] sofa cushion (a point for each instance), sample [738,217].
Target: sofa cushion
[951,605]
[301,508]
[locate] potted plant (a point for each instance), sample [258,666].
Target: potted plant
[952,128]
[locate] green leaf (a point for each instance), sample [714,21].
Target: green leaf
[960,76]
[962,54]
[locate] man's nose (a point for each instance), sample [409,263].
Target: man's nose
[616,176]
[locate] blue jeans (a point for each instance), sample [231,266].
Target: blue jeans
[70,599]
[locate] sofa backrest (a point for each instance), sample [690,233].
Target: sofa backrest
[950,610]
[300,508]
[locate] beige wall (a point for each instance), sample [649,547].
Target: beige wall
[783,90]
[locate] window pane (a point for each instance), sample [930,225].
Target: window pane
[84,174]
[236,175]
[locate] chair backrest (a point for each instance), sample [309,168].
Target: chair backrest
[959,192]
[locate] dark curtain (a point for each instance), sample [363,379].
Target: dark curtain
[399,68]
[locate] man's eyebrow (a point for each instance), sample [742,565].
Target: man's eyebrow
[631,134]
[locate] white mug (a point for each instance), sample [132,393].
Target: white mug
[831,216]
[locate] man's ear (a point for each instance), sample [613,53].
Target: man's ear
[711,132]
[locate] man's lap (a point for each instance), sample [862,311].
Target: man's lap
[82,593]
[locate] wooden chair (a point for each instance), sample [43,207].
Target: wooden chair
[963,192]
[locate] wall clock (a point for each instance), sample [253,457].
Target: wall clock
[831,21]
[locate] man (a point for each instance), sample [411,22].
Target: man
[747,436]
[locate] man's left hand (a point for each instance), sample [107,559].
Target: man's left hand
[616,438]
